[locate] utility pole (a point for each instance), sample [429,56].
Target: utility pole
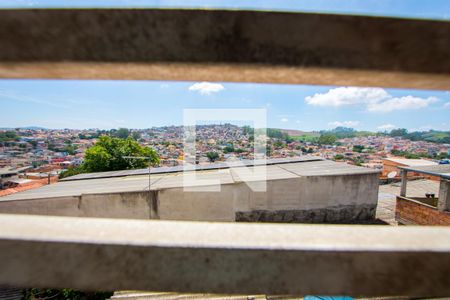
[150,200]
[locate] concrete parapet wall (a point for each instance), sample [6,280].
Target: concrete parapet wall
[177,204]
[232,258]
[118,205]
[324,199]
[58,206]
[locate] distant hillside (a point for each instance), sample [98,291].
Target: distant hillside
[434,136]
[24,128]
[294,132]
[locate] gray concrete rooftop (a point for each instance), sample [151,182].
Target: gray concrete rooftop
[160,181]
[177,169]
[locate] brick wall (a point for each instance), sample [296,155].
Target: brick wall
[408,211]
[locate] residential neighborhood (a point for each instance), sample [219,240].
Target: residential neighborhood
[30,157]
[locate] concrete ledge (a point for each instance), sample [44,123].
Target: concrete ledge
[224,73]
[219,45]
[106,254]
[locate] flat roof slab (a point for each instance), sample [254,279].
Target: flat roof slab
[260,173]
[277,170]
[326,168]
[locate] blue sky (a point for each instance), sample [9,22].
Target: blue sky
[429,9]
[143,104]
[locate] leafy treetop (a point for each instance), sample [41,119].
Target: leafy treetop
[109,152]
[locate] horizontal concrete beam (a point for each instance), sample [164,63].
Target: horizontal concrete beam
[225,73]
[105,254]
[217,45]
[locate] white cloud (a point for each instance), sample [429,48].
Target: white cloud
[408,102]
[374,99]
[347,96]
[386,127]
[344,124]
[164,86]
[206,88]
[446,105]
[284,120]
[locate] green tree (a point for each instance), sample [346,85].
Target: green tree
[278,144]
[71,171]
[69,148]
[228,149]
[412,156]
[399,132]
[33,143]
[247,130]
[8,136]
[108,155]
[358,161]
[288,139]
[358,148]
[136,135]
[121,133]
[341,132]
[274,133]
[327,139]
[212,156]
[338,157]
[442,155]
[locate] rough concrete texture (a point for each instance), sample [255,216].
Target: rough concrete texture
[176,204]
[172,44]
[172,35]
[335,215]
[232,258]
[133,205]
